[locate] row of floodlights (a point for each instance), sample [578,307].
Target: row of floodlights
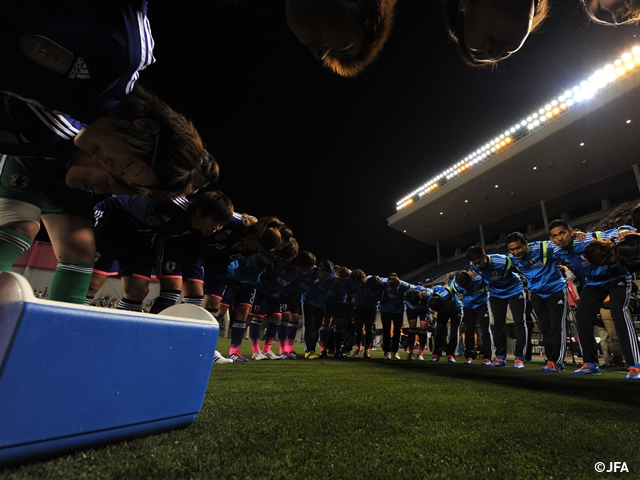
[586,90]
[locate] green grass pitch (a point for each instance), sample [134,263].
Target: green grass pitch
[376,419]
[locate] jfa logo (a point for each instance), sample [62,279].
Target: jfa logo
[19,182]
[613,467]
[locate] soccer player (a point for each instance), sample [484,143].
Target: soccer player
[314,303]
[536,262]
[627,252]
[345,282]
[488,31]
[32,191]
[391,308]
[275,270]
[612,12]
[416,301]
[345,35]
[475,302]
[238,239]
[124,227]
[221,249]
[445,302]
[366,306]
[600,281]
[505,290]
[291,297]
[81,62]
[284,272]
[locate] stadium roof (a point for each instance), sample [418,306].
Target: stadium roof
[584,154]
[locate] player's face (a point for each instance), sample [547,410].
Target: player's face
[611,12]
[85,173]
[302,270]
[480,263]
[206,225]
[330,28]
[561,236]
[339,279]
[494,29]
[517,249]
[99,142]
[322,275]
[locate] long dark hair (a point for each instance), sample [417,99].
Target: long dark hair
[176,154]
[454,19]
[376,18]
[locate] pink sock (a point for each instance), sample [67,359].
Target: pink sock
[254,335]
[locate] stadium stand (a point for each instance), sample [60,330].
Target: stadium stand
[574,159]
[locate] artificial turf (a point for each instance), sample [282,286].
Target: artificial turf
[377,419]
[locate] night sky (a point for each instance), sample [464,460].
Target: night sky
[331,156]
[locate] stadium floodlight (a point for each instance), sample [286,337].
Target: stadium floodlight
[554,108]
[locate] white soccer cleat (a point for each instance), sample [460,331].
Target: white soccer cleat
[270,355]
[259,356]
[219,359]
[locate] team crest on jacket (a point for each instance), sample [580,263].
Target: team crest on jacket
[46,53]
[19,182]
[153,221]
[170,267]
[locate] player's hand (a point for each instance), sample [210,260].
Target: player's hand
[580,236]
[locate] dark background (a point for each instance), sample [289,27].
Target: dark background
[331,156]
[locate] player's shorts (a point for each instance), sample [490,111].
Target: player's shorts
[215,282]
[264,305]
[421,314]
[365,314]
[289,305]
[335,310]
[131,249]
[238,293]
[40,185]
[174,259]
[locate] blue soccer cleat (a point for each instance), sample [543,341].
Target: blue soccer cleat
[498,362]
[236,357]
[588,368]
[634,373]
[552,367]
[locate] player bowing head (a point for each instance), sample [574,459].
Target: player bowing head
[612,12]
[627,252]
[488,31]
[87,174]
[267,234]
[303,262]
[148,147]
[212,210]
[346,35]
